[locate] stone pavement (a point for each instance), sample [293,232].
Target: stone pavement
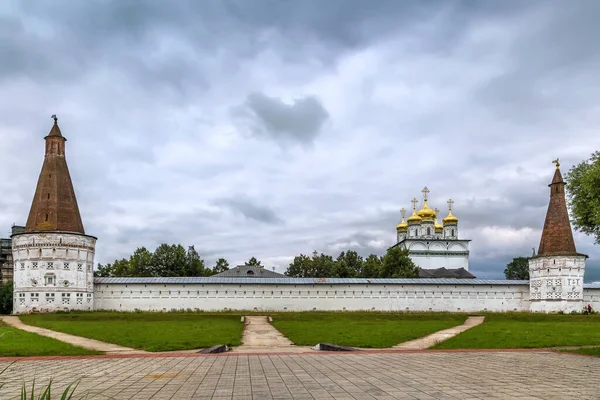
[86,343]
[262,337]
[362,376]
[439,336]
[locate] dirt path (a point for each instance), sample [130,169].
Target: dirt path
[261,336]
[439,336]
[90,344]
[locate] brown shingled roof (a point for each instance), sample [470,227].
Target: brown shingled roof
[557,237]
[54,206]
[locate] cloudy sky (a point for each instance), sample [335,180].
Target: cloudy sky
[273,128]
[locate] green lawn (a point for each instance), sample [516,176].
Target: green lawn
[528,330]
[15,342]
[592,351]
[361,329]
[148,331]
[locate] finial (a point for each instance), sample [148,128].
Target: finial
[533,248]
[402,211]
[55,119]
[425,192]
[437,210]
[414,201]
[557,163]
[450,203]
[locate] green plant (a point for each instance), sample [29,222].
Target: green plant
[67,394]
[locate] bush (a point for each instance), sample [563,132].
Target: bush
[6,297]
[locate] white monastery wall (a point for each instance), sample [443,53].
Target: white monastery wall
[557,283]
[592,297]
[290,297]
[53,272]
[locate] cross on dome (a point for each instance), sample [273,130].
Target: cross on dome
[425,192]
[402,211]
[450,203]
[414,202]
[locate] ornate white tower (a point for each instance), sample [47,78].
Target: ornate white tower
[556,272]
[53,258]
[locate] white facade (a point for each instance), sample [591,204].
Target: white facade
[433,254]
[458,296]
[557,283]
[53,272]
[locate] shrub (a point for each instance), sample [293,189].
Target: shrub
[6,297]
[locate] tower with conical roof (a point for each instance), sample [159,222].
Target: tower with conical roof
[556,272]
[53,258]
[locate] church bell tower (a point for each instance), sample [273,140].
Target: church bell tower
[53,258]
[556,272]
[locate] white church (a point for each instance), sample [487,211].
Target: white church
[432,245]
[54,258]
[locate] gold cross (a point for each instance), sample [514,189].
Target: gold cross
[557,163]
[402,211]
[414,201]
[450,203]
[425,192]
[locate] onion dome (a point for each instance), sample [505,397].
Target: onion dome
[402,226]
[414,218]
[450,219]
[426,213]
[438,227]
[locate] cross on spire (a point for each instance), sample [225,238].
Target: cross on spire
[450,203]
[414,202]
[54,118]
[425,192]
[557,163]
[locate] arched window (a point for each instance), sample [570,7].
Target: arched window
[428,231]
[452,232]
[250,272]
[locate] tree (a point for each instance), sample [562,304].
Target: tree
[517,269]
[104,271]
[121,268]
[371,267]
[583,188]
[140,262]
[221,266]
[168,260]
[397,264]
[322,266]
[253,262]
[194,265]
[6,297]
[301,267]
[347,265]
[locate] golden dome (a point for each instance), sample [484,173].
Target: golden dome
[426,212]
[414,218]
[402,226]
[450,219]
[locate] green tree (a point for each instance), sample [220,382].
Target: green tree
[194,265]
[397,264]
[371,267]
[140,262]
[168,260]
[121,268]
[104,271]
[583,188]
[221,266]
[322,266]
[347,265]
[6,297]
[301,267]
[517,269]
[253,262]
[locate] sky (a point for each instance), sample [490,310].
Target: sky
[271,128]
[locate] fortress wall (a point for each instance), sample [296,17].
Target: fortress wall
[331,297]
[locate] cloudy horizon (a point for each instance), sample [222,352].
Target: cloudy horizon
[274,128]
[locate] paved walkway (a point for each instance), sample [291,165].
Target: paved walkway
[262,337]
[437,337]
[86,343]
[358,375]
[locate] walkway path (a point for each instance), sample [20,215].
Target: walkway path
[90,344]
[262,337]
[440,336]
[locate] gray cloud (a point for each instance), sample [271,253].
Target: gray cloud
[472,99]
[301,121]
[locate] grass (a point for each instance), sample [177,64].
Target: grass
[361,329]
[17,343]
[590,351]
[147,331]
[528,330]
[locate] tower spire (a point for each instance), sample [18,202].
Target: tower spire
[557,237]
[54,206]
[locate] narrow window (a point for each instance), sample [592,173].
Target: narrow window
[46,217]
[48,196]
[452,232]
[428,231]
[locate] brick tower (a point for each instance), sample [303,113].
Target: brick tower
[556,272]
[53,258]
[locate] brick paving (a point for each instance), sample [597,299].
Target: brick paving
[370,375]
